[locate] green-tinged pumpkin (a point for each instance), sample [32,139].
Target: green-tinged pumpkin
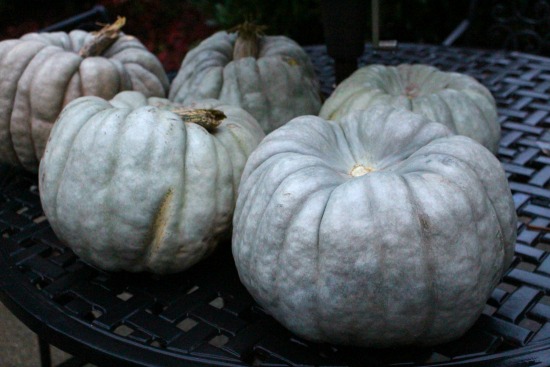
[269,76]
[379,229]
[41,72]
[142,184]
[456,100]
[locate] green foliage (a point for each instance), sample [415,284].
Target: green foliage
[406,21]
[289,17]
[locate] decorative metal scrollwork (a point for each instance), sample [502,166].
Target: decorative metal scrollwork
[521,25]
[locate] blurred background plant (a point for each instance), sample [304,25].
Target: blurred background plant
[522,25]
[169,28]
[300,20]
[427,21]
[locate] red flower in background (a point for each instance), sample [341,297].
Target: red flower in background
[167,28]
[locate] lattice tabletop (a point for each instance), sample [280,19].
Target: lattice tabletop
[205,316]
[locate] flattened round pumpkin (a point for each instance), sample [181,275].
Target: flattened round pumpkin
[274,81]
[456,100]
[379,229]
[40,73]
[140,184]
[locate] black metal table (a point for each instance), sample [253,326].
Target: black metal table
[205,317]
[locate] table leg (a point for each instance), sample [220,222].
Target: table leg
[45,355]
[345,28]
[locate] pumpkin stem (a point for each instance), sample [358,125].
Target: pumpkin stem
[248,39]
[360,170]
[103,39]
[210,119]
[412,91]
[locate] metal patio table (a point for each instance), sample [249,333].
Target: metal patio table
[205,317]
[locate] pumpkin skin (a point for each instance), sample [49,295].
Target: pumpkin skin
[381,229]
[41,72]
[130,186]
[456,100]
[275,87]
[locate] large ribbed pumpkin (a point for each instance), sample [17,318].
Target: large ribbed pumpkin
[269,76]
[379,229]
[41,72]
[130,185]
[456,100]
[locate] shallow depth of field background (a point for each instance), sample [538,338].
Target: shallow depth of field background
[169,28]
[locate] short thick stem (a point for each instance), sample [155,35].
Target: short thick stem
[103,39]
[248,40]
[360,170]
[210,119]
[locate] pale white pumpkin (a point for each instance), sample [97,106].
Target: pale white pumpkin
[41,72]
[130,186]
[456,100]
[379,229]
[269,76]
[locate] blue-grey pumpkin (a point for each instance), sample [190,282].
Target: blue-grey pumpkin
[379,229]
[456,100]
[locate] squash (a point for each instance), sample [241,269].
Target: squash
[143,184]
[269,76]
[42,72]
[380,229]
[456,100]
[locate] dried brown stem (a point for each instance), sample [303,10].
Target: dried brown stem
[247,42]
[103,39]
[210,119]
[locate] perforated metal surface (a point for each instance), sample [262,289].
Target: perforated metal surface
[206,317]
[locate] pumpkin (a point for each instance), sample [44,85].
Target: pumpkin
[269,76]
[456,100]
[380,229]
[142,184]
[41,72]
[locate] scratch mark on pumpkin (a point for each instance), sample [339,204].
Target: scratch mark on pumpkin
[424,222]
[291,61]
[159,223]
